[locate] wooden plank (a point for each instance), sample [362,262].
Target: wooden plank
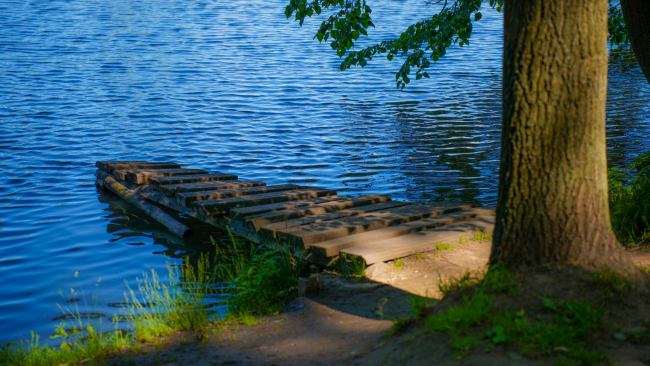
[366,222]
[243,213]
[141,176]
[113,166]
[272,228]
[257,221]
[331,248]
[172,189]
[420,241]
[223,206]
[102,164]
[193,178]
[130,196]
[187,198]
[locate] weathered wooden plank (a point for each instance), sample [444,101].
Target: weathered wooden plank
[331,248]
[113,166]
[243,213]
[257,221]
[141,176]
[102,164]
[187,198]
[193,178]
[172,189]
[222,206]
[420,241]
[307,235]
[315,219]
[107,181]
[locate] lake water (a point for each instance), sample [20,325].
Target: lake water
[231,86]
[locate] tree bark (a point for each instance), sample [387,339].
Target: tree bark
[553,205]
[637,21]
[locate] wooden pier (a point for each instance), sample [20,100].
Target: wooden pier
[315,222]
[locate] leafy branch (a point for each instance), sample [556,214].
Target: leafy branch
[421,43]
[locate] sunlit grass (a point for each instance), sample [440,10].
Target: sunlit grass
[252,280]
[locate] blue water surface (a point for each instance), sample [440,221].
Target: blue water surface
[229,86]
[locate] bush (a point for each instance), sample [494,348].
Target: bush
[629,201]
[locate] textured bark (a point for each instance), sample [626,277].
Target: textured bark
[637,22]
[553,205]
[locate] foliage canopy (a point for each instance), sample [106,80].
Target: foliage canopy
[421,43]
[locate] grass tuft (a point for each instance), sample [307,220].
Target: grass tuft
[481,235]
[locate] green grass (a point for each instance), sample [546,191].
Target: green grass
[398,263]
[352,266]
[444,246]
[481,235]
[564,331]
[420,256]
[629,201]
[260,281]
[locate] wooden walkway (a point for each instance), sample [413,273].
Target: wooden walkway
[312,220]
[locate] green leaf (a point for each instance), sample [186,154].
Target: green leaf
[340,52]
[354,35]
[363,31]
[499,334]
[389,57]
[334,44]
[478,17]
[619,336]
[319,35]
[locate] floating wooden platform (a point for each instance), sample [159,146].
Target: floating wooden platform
[314,222]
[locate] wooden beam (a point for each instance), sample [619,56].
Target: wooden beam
[221,207]
[102,164]
[172,189]
[307,235]
[257,221]
[272,228]
[243,213]
[113,166]
[107,181]
[187,198]
[215,176]
[141,176]
[420,241]
[331,248]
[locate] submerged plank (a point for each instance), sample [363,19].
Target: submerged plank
[331,248]
[420,241]
[172,189]
[102,164]
[307,235]
[315,219]
[222,206]
[187,198]
[107,181]
[257,221]
[141,176]
[113,166]
[244,213]
[193,178]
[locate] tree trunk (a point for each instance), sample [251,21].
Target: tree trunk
[553,205]
[637,22]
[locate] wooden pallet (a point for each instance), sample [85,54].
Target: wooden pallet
[316,220]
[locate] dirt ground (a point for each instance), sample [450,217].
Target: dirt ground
[347,323]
